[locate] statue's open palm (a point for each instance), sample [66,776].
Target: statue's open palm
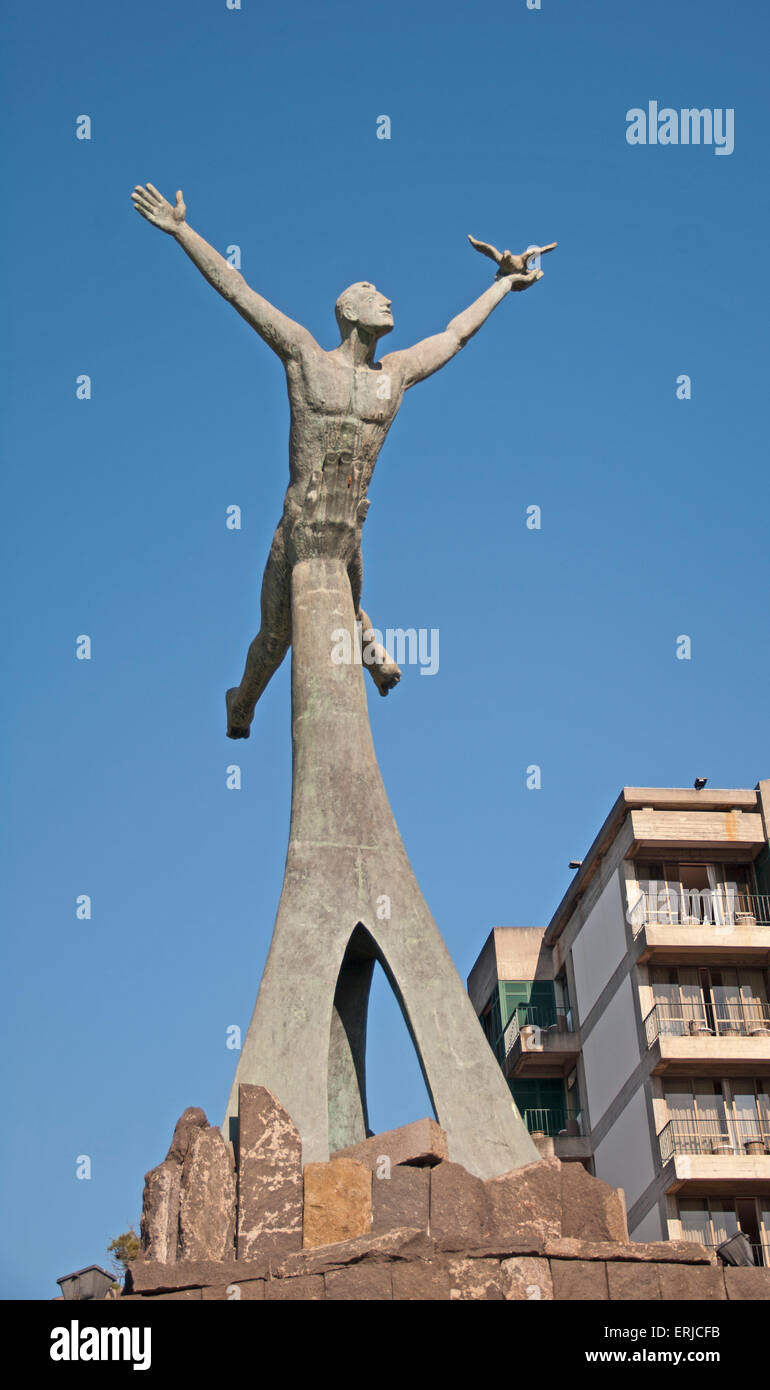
[157,209]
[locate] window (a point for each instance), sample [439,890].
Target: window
[688,892]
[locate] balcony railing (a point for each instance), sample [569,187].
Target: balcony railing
[686,1135]
[674,905]
[705,1018]
[553,1121]
[550,1020]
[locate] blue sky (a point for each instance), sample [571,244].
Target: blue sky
[557,647]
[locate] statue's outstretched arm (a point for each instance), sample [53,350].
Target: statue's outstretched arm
[282,334]
[427,357]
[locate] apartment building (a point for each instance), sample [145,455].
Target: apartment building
[634,1030]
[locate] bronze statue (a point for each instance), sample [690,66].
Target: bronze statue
[343,403]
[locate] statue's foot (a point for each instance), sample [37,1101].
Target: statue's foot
[386,676]
[238,725]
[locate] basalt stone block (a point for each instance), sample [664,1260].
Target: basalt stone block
[181,1296]
[527,1202]
[393,1245]
[422,1143]
[691,1282]
[674,1251]
[403,1199]
[145,1277]
[269,1176]
[479,1280]
[503,1249]
[459,1207]
[591,1209]
[338,1202]
[364,1283]
[191,1120]
[746,1283]
[526,1280]
[207,1201]
[424,1280]
[305,1288]
[241,1290]
[159,1225]
[579,1280]
[633,1282]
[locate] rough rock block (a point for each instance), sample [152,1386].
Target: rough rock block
[397,1245]
[475,1279]
[192,1119]
[426,1280]
[240,1290]
[160,1212]
[527,1203]
[459,1207]
[403,1199]
[746,1283]
[150,1277]
[338,1202]
[422,1143]
[207,1199]
[643,1252]
[181,1295]
[579,1280]
[591,1209]
[365,1283]
[633,1282]
[525,1279]
[691,1282]
[307,1288]
[269,1176]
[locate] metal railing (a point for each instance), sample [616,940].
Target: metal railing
[553,1120]
[704,1018]
[551,1019]
[691,1135]
[675,905]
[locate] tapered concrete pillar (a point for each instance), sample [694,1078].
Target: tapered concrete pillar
[350,899]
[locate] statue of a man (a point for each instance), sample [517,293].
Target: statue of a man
[342,406]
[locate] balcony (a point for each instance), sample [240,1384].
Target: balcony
[558,1132]
[709,924]
[540,1040]
[717,1156]
[699,1034]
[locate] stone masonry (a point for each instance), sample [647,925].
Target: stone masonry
[395,1218]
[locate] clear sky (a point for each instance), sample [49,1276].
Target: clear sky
[557,646]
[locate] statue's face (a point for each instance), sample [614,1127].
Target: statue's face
[370,309]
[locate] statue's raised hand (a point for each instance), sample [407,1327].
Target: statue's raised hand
[157,209]
[516,269]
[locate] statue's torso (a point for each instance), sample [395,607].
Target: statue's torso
[338,412]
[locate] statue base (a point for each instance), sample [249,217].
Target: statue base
[395,1220]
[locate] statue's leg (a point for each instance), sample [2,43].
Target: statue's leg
[378,661]
[270,644]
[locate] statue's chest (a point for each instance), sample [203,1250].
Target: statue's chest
[359,393]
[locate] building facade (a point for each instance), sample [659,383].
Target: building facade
[634,1030]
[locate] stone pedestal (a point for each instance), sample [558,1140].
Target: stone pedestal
[548,1231]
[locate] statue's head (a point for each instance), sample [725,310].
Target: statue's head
[362,304]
